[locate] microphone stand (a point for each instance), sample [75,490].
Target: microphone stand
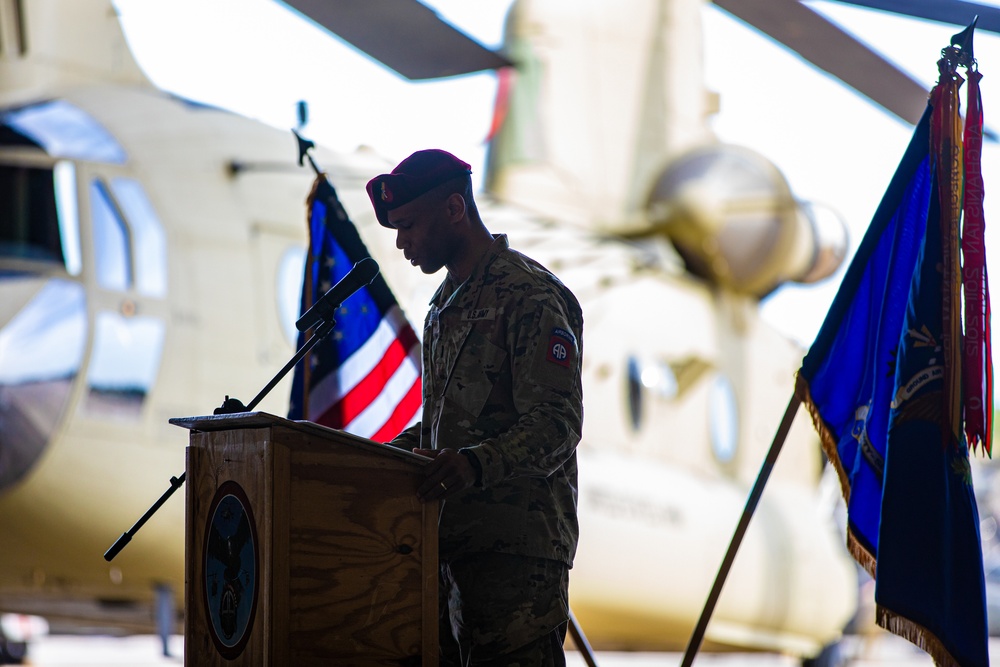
[175,483]
[228,407]
[232,405]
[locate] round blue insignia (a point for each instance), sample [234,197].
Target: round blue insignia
[230,568]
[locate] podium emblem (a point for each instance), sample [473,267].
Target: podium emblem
[231,556]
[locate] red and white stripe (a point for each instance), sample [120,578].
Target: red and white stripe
[375,392]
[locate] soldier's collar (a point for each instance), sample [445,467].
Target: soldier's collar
[448,285]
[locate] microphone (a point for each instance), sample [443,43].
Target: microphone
[363,273]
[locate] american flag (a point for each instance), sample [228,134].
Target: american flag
[364,378]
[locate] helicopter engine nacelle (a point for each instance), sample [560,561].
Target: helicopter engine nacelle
[733,219]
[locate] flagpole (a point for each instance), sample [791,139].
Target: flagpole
[580,641]
[303,149]
[758,488]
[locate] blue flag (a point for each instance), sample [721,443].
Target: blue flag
[873,381]
[365,377]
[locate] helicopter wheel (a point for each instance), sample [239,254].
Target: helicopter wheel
[12,653]
[831,655]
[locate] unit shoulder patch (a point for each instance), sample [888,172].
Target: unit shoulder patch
[561,347]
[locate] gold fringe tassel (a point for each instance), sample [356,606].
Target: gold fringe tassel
[865,558]
[894,623]
[915,633]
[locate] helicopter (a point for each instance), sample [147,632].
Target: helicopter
[152,245]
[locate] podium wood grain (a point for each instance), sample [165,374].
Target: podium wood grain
[347,555]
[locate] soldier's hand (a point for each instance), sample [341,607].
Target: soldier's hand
[449,473]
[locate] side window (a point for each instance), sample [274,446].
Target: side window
[289,290]
[634,393]
[724,419]
[112,255]
[124,363]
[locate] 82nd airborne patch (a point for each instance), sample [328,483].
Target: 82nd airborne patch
[561,346]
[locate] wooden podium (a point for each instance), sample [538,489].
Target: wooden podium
[305,546]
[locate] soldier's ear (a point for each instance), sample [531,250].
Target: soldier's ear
[455,206]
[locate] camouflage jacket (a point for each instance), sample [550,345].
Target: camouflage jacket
[501,379]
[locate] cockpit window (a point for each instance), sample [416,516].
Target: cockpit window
[38,214]
[150,245]
[41,350]
[44,341]
[124,363]
[64,179]
[112,255]
[62,130]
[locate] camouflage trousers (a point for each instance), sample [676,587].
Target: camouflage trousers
[502,610]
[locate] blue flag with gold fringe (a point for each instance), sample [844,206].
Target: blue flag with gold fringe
[879,383]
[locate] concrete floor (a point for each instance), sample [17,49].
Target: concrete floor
[881,650]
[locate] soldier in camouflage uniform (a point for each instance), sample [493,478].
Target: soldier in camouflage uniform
[502,416]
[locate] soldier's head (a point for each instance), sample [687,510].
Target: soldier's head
[426,174]
[427,199]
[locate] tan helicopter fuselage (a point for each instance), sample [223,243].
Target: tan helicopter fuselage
[685,386]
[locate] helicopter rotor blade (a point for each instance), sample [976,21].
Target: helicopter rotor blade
[956,12]
[833,50]
[404,35]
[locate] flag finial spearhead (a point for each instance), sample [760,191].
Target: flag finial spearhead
[960,52]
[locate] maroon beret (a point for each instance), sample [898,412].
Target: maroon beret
[422,171]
